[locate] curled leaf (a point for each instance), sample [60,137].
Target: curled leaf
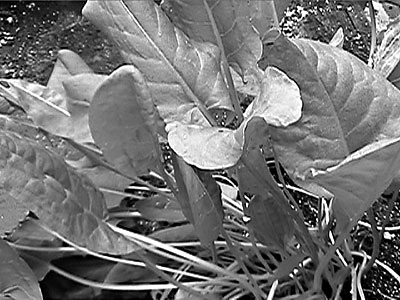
[278,103]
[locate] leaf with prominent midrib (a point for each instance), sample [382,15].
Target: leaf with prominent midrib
[241,43]
[346,105]
[184,76]
[34,179]
[348,110]
[17,281]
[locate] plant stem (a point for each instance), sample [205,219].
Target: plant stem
[373,33]
[225,65]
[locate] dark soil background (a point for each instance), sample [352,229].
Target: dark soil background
[31,33]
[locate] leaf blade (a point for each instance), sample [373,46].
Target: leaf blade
[184,76]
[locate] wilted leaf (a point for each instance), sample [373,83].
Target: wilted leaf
[200,200]
[242,45]
[34,179]
[184,76]
[278,103]
[271,225]
[123,122]
[17,279]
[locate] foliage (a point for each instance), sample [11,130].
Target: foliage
[328,119]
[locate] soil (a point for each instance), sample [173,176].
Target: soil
[33,31]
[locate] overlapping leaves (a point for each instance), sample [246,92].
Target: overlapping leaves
[184,76]
[347,106]
[33,179]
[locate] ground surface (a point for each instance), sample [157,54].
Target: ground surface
[31,33]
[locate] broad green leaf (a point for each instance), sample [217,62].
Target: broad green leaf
[361,178]
[17,279]
[278,103]
[271,225]
[159,208]
[242,45]
[266,14]
[36,180]
[184,76]
[60,115]
[200,200]
[123,122]
[346,107]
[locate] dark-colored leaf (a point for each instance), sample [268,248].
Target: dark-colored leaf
[159,208]
[271,225]
[181,233]
[200,200]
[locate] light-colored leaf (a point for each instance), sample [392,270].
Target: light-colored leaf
[17,279]
[338,39]
[242,45]
[181,233]
[278,103]
[123,122]
[388,55]
[62,116]
[200,200]
[184,76]
[34,179]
